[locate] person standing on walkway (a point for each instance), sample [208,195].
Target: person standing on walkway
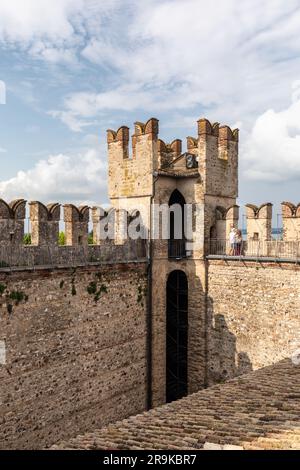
[232,241]
[239,243]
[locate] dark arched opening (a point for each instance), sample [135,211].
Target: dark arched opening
[177,243]
[177,336]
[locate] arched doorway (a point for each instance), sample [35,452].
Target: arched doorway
[177,245]
[177,336]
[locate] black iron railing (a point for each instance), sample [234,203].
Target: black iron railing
[177,249]
[256,249]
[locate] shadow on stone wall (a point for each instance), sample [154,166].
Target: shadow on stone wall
[224,362]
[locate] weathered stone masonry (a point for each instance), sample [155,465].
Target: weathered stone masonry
[253,316]
[75,351]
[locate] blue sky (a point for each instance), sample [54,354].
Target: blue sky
[74,68]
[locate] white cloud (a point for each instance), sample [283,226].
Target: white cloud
[80,108]
[70,119]
[24,21]
[53,54]
[230,61]
[62,178]
[173,55]
[2,150]
[272,150]
[51,30]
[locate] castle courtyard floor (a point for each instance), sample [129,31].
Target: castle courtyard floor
[260,410]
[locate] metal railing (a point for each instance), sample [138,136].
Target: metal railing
[136,250]
[177,249]
[71,256]
[276,249]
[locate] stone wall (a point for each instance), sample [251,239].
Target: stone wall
[73,351]
[253,316]
[73,341]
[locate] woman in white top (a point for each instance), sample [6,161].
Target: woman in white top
[232,241]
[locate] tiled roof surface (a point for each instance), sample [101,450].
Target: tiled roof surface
[260,410]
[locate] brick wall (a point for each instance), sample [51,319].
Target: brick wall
[253,316]
[75,359]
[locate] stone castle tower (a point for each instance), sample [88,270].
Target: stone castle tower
[203,181]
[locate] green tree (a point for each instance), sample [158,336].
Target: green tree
[61,239]
[27,239]
[91,238]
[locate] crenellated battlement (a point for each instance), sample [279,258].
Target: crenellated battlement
[259,222]
[121,135]
[117,226]
[205,127]
[14,210]
[290,210]
[224,219]
[259,212]
[12,217]
[151,127]
[112,241]
[44,223]
[290,221]
[167,153]
[76,224]
[174,147]
[220,138]
[192,143]
[118,141]
[215,150]
[206,175]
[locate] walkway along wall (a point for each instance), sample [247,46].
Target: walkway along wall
[75,340]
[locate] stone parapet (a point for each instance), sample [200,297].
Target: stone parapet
[44,222]
[291,221]
[12,217]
